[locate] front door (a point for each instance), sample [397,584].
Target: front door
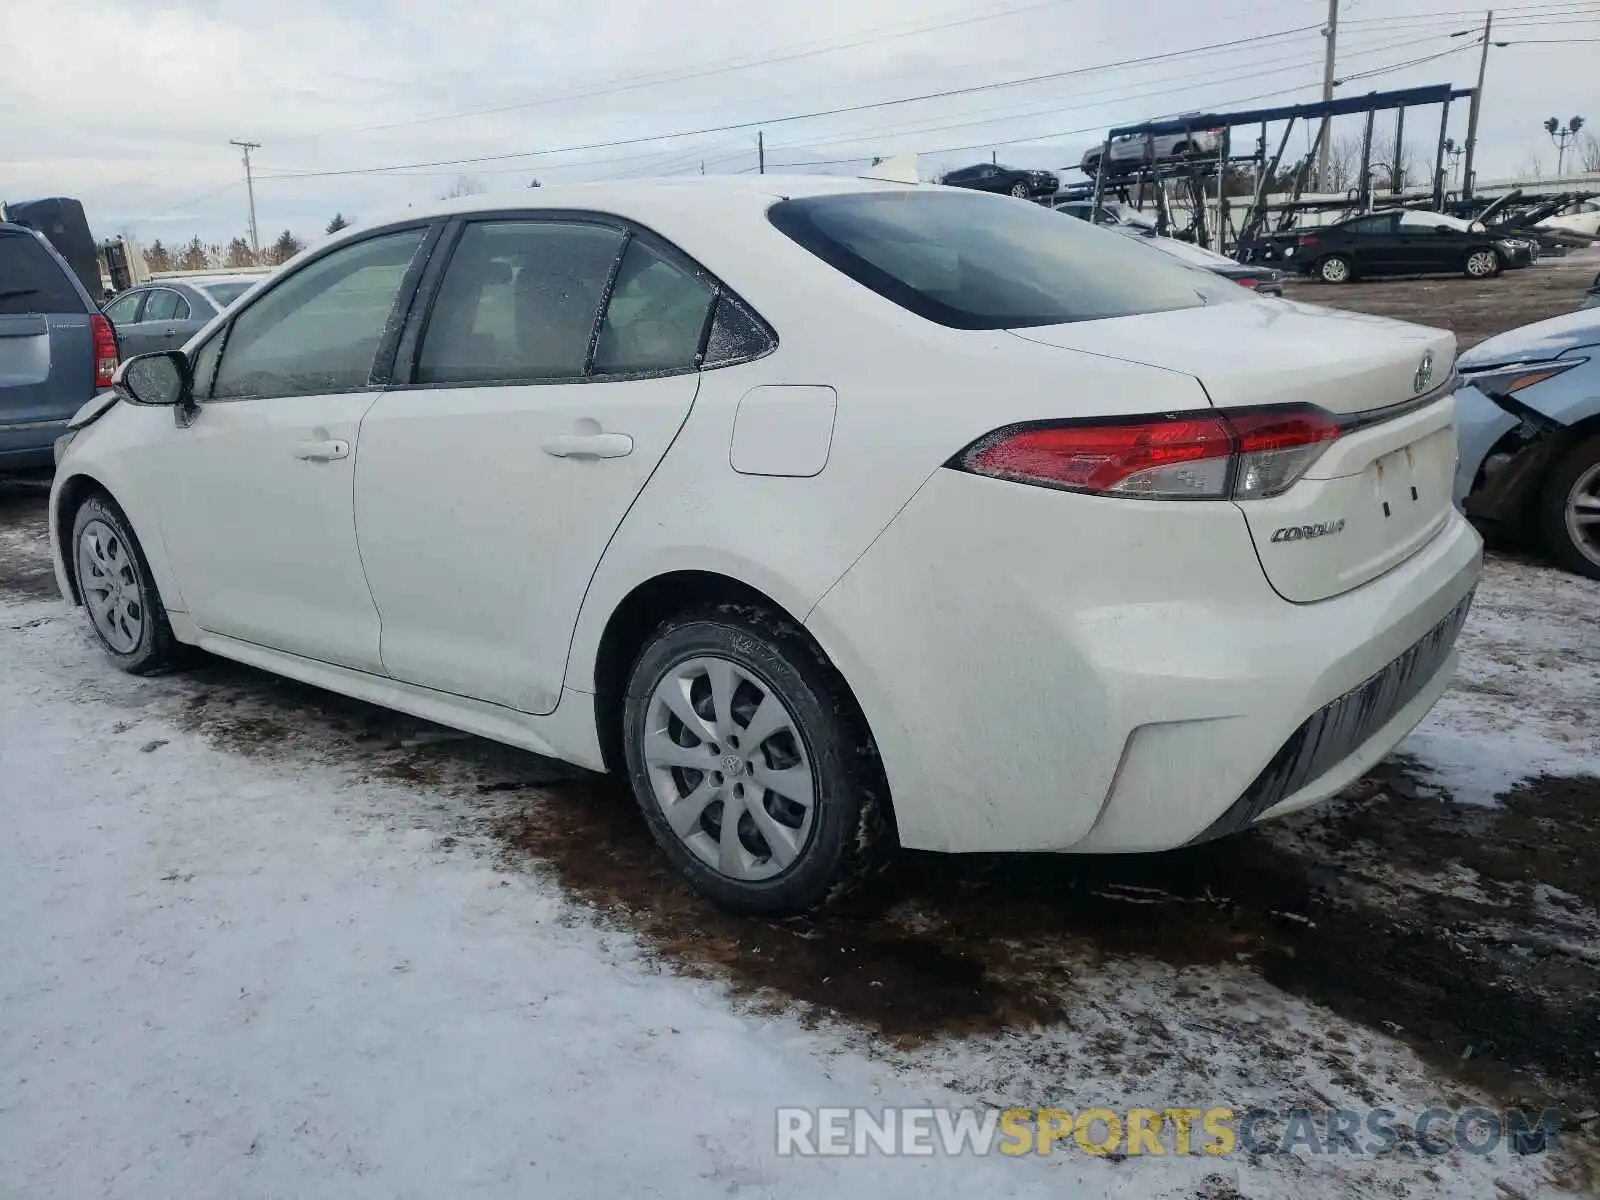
[257,512]
[557,365]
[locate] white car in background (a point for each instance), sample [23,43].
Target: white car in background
[828,512]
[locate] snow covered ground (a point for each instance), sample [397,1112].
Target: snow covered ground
[260,942]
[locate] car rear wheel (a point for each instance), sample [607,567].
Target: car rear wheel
[755,773]
[1334,269]
[1019,190]
[1570,510]
[1483,264]
[114,580]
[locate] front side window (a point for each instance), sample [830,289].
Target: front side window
[124,310]
[319,329]
[967,261]
[519,302]
[656,316]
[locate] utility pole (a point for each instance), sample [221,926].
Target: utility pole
[1324,135]
[1468,175]
[250,189]
[761,153]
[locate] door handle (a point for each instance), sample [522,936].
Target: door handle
[589,445]
[323,451]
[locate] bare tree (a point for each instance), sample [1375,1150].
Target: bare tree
[1344,161]
[1587,152]
[1383,164]
[1532,168]
[465,185]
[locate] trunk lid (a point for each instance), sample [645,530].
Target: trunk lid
[46,366]
[1377,494]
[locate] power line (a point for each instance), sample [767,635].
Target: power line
[805,116]
[656,79]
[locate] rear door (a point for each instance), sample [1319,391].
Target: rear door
[157,324]
[558,363]
[46,344]
[1373,245]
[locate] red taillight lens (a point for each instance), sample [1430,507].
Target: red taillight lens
[1249,283]
[1245,454]
[105,350]
[1308,240]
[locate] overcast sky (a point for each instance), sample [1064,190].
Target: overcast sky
[129,106]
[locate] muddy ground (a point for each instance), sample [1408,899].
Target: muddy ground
[1466,932]
[1473,308]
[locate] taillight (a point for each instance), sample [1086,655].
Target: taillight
[1246,281]
[1246,454]
[105,350]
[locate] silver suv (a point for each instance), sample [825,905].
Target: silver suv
[1133,150]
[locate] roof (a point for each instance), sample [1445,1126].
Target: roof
[634,194]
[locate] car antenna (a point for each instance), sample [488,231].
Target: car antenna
[901,168]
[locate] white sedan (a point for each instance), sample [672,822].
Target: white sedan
[834,514]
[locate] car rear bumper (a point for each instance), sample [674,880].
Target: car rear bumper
[25,445]
[1048,671]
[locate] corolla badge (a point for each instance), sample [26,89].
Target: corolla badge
[1424,375]
[1299,533]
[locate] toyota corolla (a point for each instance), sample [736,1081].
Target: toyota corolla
[832,514]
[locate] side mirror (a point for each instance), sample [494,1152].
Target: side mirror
[155,380]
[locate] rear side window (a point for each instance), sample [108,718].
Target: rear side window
[165,305]
[966,261]
[656,316]
[519,301]
[31,281]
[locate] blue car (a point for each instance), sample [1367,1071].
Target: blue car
[56,349]
[1528,420]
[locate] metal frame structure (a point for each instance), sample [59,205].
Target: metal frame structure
[1195,172]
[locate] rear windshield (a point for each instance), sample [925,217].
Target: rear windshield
[970,261]
[225,293]
[31,281]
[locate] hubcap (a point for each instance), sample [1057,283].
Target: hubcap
[1583,514]
[110,587]
[1334,270]
[1481,263]
[729,768]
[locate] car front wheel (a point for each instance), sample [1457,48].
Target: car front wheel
[1019,190]
[114,580]
[754,771]
[1334,269]
[1570,509]
[1483,264]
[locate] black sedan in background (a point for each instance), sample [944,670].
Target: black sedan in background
[1404,243]
[1007,181]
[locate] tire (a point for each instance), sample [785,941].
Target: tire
[1335,269]
[1090,167]
[1483,264]
[113,576]
[1571,492]
[1019,190]
[791,859]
